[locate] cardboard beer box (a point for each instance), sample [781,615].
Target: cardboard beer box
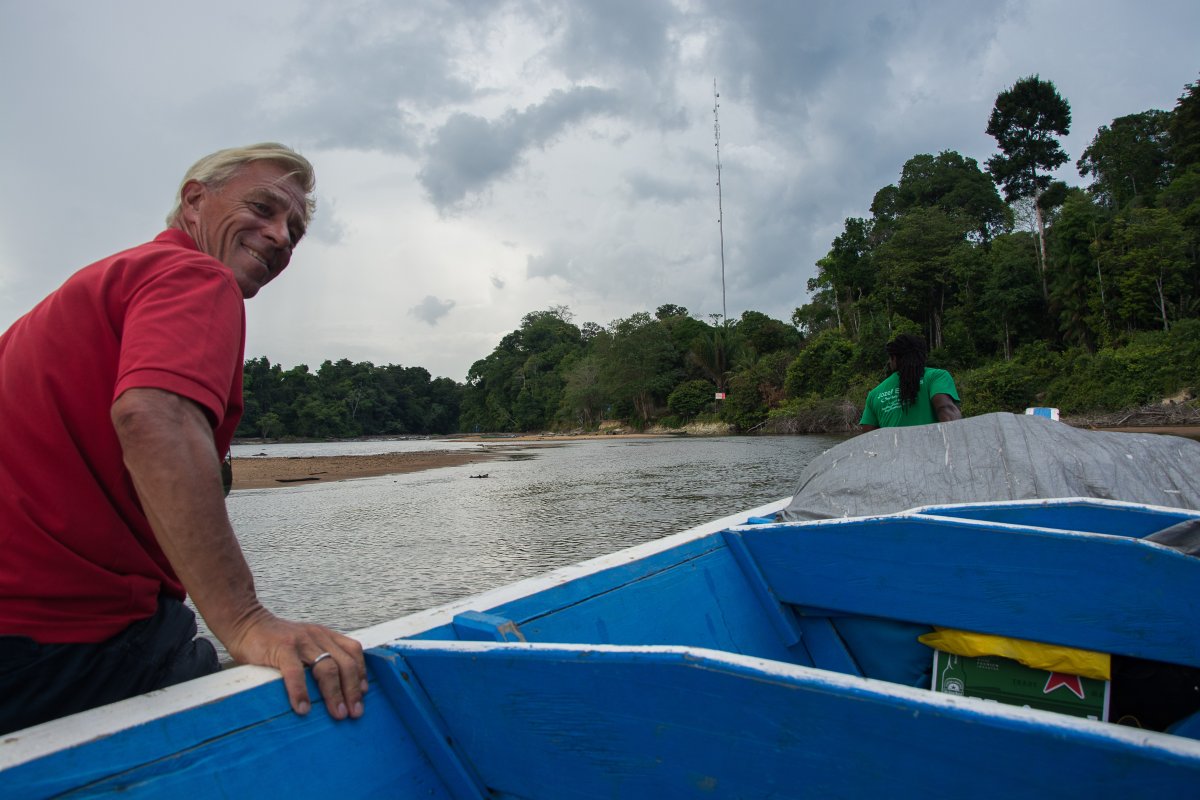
[1006,681]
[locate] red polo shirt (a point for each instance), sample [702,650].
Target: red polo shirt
[78,559]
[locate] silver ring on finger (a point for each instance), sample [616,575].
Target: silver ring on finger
[320,658]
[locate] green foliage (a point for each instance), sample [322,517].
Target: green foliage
[684,332]
[819,314]
[690,398]
[742,407]
[956,186]
[1129,158]
[918,265]
[269,425]
[815,415]
[823,368]
[713,354]
[1078,278]
[1152,268]
[756,388]
[1054,196]
[958,349]
[1026,121]
[583,396]
[520,386]
[845,277]
[1011,301]
[1010,385]
[1153,365]
[1182,368]
[764,335]
[344,400]
[1182,199]
[1184,128]
[638,363]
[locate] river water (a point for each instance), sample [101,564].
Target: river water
[355,553]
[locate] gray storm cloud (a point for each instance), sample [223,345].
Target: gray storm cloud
[469,151]
[365,74]
[431,309]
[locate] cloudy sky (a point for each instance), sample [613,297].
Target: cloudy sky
[479,160]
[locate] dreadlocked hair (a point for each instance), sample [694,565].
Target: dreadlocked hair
[909,351]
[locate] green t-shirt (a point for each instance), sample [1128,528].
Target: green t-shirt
[883,402]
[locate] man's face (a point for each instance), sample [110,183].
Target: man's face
[251,224]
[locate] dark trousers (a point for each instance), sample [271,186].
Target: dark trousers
[40,682]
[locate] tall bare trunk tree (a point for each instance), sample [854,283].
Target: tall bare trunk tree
[1026,121]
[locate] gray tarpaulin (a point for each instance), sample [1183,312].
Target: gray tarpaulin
[994,457]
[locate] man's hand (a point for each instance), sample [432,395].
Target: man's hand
[289,647]
[168,449]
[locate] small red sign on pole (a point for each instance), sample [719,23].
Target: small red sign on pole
[720,395]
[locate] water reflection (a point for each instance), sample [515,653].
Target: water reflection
[355,553]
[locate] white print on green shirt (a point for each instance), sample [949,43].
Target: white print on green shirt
[889,400]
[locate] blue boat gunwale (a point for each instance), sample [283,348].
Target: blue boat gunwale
[931,513]
[25,746]
[30,744]
[1093,509]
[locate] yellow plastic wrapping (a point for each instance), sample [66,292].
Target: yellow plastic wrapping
[1052,657]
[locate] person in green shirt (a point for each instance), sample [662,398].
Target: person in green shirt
[913,394]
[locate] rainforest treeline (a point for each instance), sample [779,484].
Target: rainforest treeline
[1030,292]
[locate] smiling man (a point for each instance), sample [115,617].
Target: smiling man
[120,392]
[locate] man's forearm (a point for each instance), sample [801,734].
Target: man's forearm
[945,409]
[169,452]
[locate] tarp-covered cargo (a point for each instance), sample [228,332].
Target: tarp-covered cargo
[994,457]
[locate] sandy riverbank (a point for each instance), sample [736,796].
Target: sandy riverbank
[554,437]
[265,472]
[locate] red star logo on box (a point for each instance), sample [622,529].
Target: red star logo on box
[1058,679]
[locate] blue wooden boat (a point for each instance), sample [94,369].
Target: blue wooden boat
[742,658]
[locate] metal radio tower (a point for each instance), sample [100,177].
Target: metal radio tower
[720,208]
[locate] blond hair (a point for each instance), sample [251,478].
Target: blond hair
[218,168]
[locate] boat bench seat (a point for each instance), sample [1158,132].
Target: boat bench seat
[1098,592]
